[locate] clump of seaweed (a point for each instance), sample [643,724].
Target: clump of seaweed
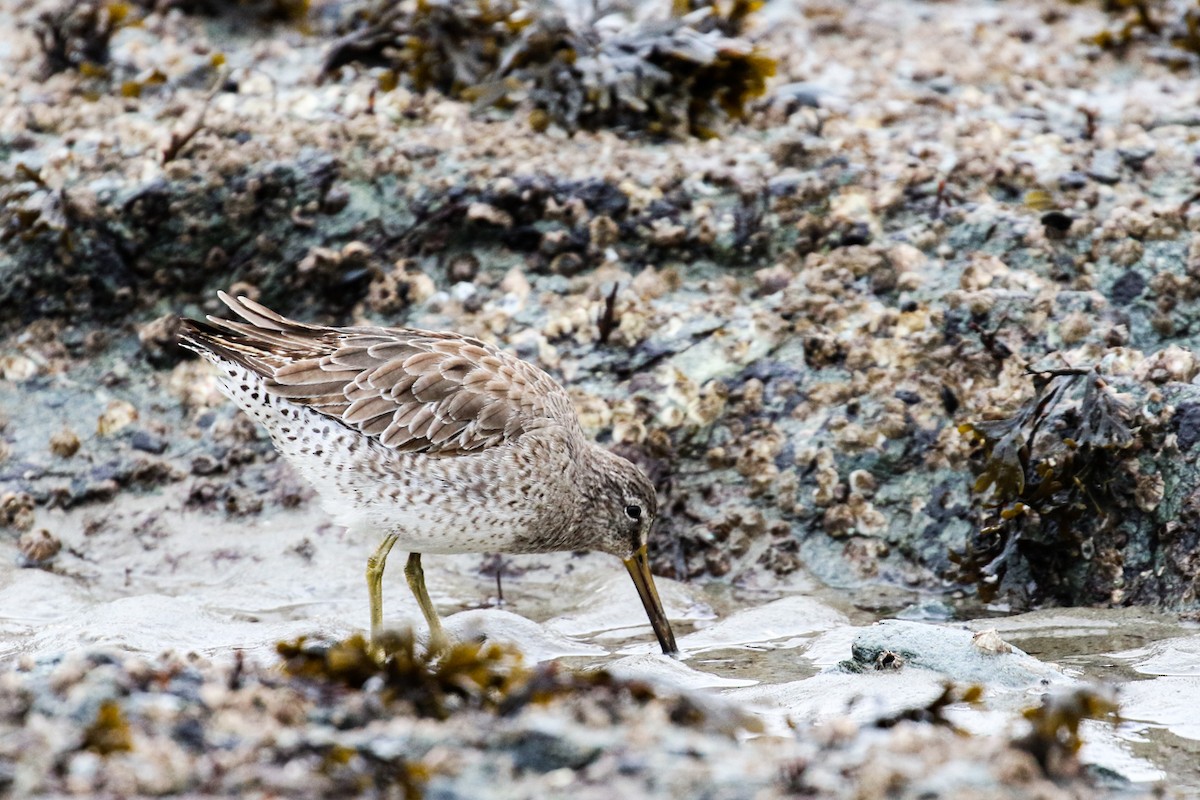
[730,17]
[1175,22]
[109,732]
[76,36]
[34,208]
[469,676]
[1056,463]
[680,76]
[671,82]
[434,44]
[934,712]
[1054,735]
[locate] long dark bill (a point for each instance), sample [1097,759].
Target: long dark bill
[639,569]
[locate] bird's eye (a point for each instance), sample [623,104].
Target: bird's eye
[633,512]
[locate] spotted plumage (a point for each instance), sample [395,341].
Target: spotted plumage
[439,443]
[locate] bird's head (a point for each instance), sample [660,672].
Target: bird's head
[621,508]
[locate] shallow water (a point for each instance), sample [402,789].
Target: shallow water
[145,579]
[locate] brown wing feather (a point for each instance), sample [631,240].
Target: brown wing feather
[413,390]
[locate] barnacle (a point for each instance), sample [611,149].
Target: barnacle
[38,548]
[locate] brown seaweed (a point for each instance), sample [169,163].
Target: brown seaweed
[1045,472]
[682,76]
[76,36]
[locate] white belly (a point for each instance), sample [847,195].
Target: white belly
[448,504]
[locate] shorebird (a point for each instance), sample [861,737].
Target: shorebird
[439,443]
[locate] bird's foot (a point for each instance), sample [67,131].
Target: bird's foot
[387,643]
[437,646]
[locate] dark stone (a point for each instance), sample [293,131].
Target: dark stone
[767,370]
[524,238]
[1057,221]
[785,459]
[601,197]
[190,733]
[942,84]
[1135,157]
[661,209]
[108,471]
[909,398]
[148,443]
[857,233]
[1186,424]
[73,339]
[205,464]
[1072,181]
[1127,288]
[186,684]
[795,96]
[1105,167]
[631,764]
[949,400]
[541,752]
[784,185]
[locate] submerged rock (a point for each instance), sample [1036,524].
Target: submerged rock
[958,654]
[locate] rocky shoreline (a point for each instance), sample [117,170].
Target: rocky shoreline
[336,722]
[921,322]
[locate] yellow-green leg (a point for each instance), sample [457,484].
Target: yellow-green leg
[416,582]
[375,566]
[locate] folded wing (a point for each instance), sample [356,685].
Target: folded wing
[413,390]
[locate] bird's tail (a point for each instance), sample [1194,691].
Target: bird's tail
[258,343]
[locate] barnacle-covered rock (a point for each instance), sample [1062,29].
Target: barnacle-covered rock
[679,76]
